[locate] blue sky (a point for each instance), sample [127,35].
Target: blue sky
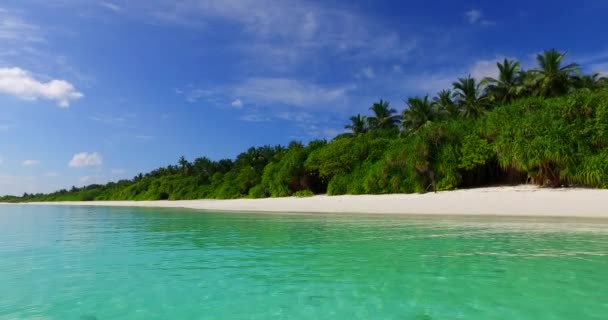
[93,91]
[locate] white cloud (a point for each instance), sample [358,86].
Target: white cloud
[432,83]
[200,94]
[596,62]
[111,6]
[290,92]
[238,103]
[596,57]
[85,159]
[313,130]
[265,116]
[51,174]
[26,42]
[601,68]
[368,72]
[255,117]
[295,116]
[310,25]
[14,28]
[473,15]
[20,83]
[303,125]
[484,68]
[271,92]
[283,33]
[30,163]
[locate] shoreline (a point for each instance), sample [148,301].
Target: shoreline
[523,201]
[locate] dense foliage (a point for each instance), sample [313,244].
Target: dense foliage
[547,126]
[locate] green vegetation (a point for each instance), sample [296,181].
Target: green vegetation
[547,126]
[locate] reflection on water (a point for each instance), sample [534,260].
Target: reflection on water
[111,263]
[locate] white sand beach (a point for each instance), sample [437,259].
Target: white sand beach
[493,201]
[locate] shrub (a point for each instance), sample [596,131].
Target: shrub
[257,192]
[304,193]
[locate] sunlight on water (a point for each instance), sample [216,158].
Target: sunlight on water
[119,263]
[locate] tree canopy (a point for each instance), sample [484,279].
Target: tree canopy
[547,125]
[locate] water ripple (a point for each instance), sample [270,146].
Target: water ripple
[127,263]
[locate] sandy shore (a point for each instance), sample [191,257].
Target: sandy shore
[495,201]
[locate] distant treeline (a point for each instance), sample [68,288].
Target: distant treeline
[547,126]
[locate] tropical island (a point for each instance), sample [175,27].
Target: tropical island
[546,126]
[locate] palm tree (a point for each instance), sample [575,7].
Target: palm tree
[589,81]
[551,78]
[509,83]
[358,124]
[419,112]
[445,104]
[602,82]
[184,165]
[384,116]
[469,97]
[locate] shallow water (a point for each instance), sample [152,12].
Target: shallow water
[127,263]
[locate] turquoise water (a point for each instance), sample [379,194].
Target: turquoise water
[124,263]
